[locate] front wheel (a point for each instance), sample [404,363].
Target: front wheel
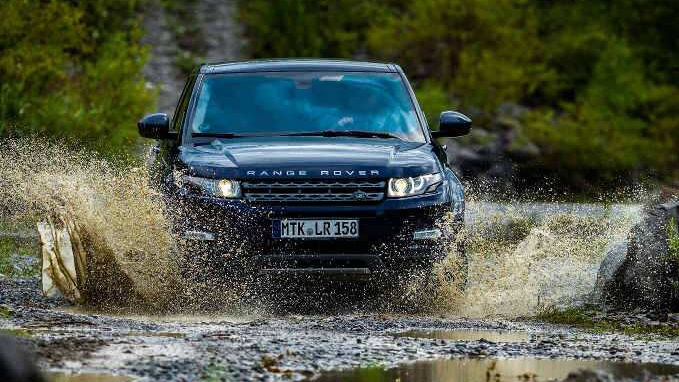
[426,285]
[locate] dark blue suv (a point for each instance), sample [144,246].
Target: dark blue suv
[306,167]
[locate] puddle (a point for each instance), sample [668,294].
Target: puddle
[154,334]
[86,377]
[469,335]
[474,370]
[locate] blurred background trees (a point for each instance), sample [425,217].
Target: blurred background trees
[592,85]
[72,69]
[582,91]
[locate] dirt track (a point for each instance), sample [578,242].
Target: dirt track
[271,347]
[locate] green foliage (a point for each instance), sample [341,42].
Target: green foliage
[19,258]
[598,77]
[5,312]
[604,132]
[433,99]
[468,46]
[20,333]
[592,319]
[306,28]
[673,239]
[72,69]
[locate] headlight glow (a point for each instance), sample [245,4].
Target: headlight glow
[221,188]
[228,188]
[402,187]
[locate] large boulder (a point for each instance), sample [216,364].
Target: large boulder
[642,273]
[615,258]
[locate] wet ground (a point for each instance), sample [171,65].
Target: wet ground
[521,369]
[526,256]
[378,347]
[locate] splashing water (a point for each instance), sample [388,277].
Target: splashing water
[127,238]
[524,257]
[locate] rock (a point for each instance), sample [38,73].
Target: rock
[585,375]
[614,259]
[524,151]
[15,363]
[465,158]
[647,276]
[512,110]
[489,158]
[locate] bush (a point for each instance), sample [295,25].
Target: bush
[484,52]
[72,69]
[606,133]
[307,28]
[598,77]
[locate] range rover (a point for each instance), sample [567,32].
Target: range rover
[307,167]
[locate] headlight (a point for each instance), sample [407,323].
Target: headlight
[221,188]
[401,187]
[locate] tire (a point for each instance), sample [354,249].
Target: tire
[407,290]
[418,287]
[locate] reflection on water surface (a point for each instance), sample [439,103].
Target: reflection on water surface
[479,370]
[86,377]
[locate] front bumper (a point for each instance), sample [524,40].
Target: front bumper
[242,232]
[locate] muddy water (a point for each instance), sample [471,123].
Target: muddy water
[86,377]
[522,256]
[119,217]
[475,370]
[469,335]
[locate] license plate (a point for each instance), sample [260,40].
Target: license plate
[315,228]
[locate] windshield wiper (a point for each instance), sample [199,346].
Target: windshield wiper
[342,133]
[217,135]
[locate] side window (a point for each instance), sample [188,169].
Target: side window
[182,105]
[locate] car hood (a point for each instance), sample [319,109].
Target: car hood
[308,157]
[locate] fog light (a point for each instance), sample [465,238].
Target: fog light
[427,234]
[199,235]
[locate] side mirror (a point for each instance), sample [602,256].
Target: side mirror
[154,126]
[453,124]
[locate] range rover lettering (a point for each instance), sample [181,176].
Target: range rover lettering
[311,167]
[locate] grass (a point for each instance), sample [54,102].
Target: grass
[584,318]
[23,333]
[19,257]
[673,240]
[5,312]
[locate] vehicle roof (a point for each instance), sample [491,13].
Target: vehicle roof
[302,65]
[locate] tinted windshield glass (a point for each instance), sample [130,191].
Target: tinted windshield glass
[289,103]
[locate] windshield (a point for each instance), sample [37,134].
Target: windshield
[305,103]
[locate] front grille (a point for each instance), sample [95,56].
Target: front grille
[292,191]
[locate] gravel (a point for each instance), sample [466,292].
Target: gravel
[274,347]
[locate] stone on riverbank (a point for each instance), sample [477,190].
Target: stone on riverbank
[640,273]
